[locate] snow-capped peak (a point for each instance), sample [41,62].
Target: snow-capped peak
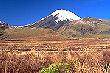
[65,15]
[0,21]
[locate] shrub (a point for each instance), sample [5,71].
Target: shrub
[57,68]
[75,60]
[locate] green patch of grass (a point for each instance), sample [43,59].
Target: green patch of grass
[56,68]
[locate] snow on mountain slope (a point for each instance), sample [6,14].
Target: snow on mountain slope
[56,20]
[65,15]
[0,21]
[3,25]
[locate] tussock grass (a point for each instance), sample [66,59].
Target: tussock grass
[34,61]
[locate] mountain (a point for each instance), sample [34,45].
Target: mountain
[60,24]
[56,20]
[3,25]
[86,27]
[69,25]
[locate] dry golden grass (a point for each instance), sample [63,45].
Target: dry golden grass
[33,61]
[29,56]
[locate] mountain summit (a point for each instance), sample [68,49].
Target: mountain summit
[65,15]
[56,20]
[3,25]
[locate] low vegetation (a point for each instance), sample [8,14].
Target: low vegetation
[57,68]
[27,33]
[55,62]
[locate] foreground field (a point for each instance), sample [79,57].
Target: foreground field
[87,55]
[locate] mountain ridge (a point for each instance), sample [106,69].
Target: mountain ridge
[63,25]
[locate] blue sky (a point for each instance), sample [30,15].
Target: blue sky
[21,12]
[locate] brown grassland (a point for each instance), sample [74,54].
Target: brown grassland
[43,47]
[87,55]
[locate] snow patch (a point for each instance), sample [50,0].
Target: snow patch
[17,26]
